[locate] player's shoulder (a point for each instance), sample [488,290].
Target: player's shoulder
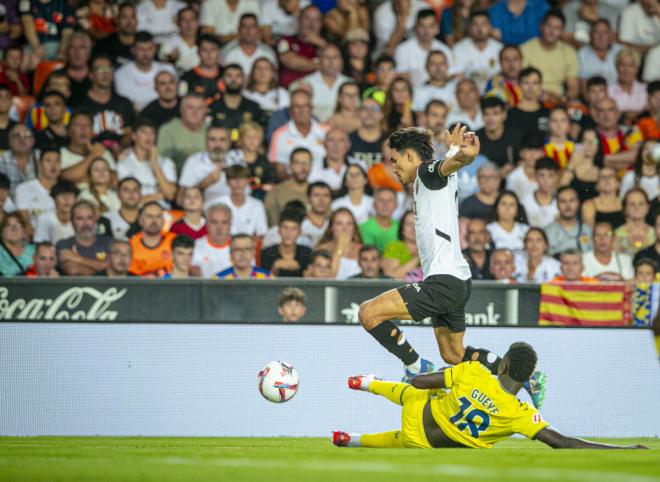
[429,174]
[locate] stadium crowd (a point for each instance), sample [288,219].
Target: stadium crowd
[242,138]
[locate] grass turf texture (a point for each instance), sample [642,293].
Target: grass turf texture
[108,459]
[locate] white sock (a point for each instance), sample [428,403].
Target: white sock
[355,440]
[416,366]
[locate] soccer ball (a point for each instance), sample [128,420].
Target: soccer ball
[278,382]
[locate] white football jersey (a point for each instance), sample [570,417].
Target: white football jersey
[436,223]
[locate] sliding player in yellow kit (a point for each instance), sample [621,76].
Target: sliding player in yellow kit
[463,406]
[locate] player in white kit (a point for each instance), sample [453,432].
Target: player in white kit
[447,281]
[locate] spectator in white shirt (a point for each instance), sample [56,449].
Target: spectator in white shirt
[221,17]
[247,48]
[135,80]
[332,170]
[468,110]
[33,197]
[506,231]
[541,205]
[597,57]
[476,56]
[301,131]
[157,174]
[394,21]
[628,93]
[411,55]
[325,82]
[55,226]
[124,221]
[279,18]
[533,264]
[157,17]
[211,252]
[439,85]
[356,194]
[640,25]
[181,49]
[248,213]
[603,262]
[262,87]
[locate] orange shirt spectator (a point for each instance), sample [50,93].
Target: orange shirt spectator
[151,261]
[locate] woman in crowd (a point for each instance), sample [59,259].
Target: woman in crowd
[646,172]
[346,112]
[401,257]
[635,235]
[262,87]
[559,147]
[582,171]
[342,239]
[15,252]
[357,61]
[355,194]
[12,74]
[250,153]
[533,265]
[99,186]
[454,21]
[506,231]
[398,105]
[606,207]
[346,16]
[628,93]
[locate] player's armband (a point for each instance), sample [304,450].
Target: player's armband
[430,175]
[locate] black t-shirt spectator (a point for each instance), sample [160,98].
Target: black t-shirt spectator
[47,138]
[368,152]
[473,208]
[503,150]
[158,114]
[233,118]
[115,49]
[261,172]
[271,254]
[196,82]
[110,118]
[78,89]
[4,135]
[536,122]
[49,18]
[478,273]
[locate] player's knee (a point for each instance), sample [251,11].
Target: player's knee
[368,315]
[452,357]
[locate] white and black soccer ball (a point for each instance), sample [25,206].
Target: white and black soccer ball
[278,382]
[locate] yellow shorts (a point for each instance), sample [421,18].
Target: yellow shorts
[412,417]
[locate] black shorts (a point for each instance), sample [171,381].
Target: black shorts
[441,297]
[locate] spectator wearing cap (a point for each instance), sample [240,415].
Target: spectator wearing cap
[505,84]
[522,179]
[118,45]
[367,140]
[119,260]
[468,110]
[499,143]
[53,226]
[135,79]
[299,53]
[476,55]
[151,247]
[6,123]
[411,54]
[204,79]
[516,21]
[55,134]
[222,18]
[44,261]
[16,253]
[301,131]
[124,221]
[156,173]
[568,231]
[394,21]
[649,125]
[182,255]
[288,258]
[211,252]
[295,188]
[19,163]
[247,48]
[439,84]
[33,197]
[166,107]
[596,58]
[181,48]
[242,260]
[357,58]
[185,135]
[248,213]
[84,253]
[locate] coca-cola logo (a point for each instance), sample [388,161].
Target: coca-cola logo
[72,304]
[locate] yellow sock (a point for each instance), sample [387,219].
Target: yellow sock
[383,440]
[394,391]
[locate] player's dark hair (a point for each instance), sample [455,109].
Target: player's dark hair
[129,179]
[318,184]
[491,102]
[556,13]
[183,241]
[435,103]
[64,187]
[526,72]
[545,163]
[594,81]
[522,361]
[414,138]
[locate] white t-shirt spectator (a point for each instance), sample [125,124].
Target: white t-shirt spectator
[287,137]
[459,115]
[503,239]
[250,218]
[475,64]
[410,58]
[49,228]
[118,224]
[426,93]
[327,175]
[198,167]
[538,215]
[592,65]
[637,27]
[361,212]
[311,232]
[281,23]
[159,22]
[232,53]
[33,197]
[652,65]
[545,271]
[210,258]
[69,159]
[518,182]
[130,166]
[650,184]
[325,97]
[386,20]
[217,14]
[619,263]
[188,57]
[275,99]
[137,85]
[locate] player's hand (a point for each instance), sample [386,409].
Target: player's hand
[469,147]
[213,177]
[343,243]
[455,137]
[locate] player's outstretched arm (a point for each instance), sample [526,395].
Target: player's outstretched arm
[429,381]
[463,149]
[558,441]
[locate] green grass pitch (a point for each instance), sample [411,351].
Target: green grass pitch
[72,459]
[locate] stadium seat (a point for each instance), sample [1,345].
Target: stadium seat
[41,73]
[23,104]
